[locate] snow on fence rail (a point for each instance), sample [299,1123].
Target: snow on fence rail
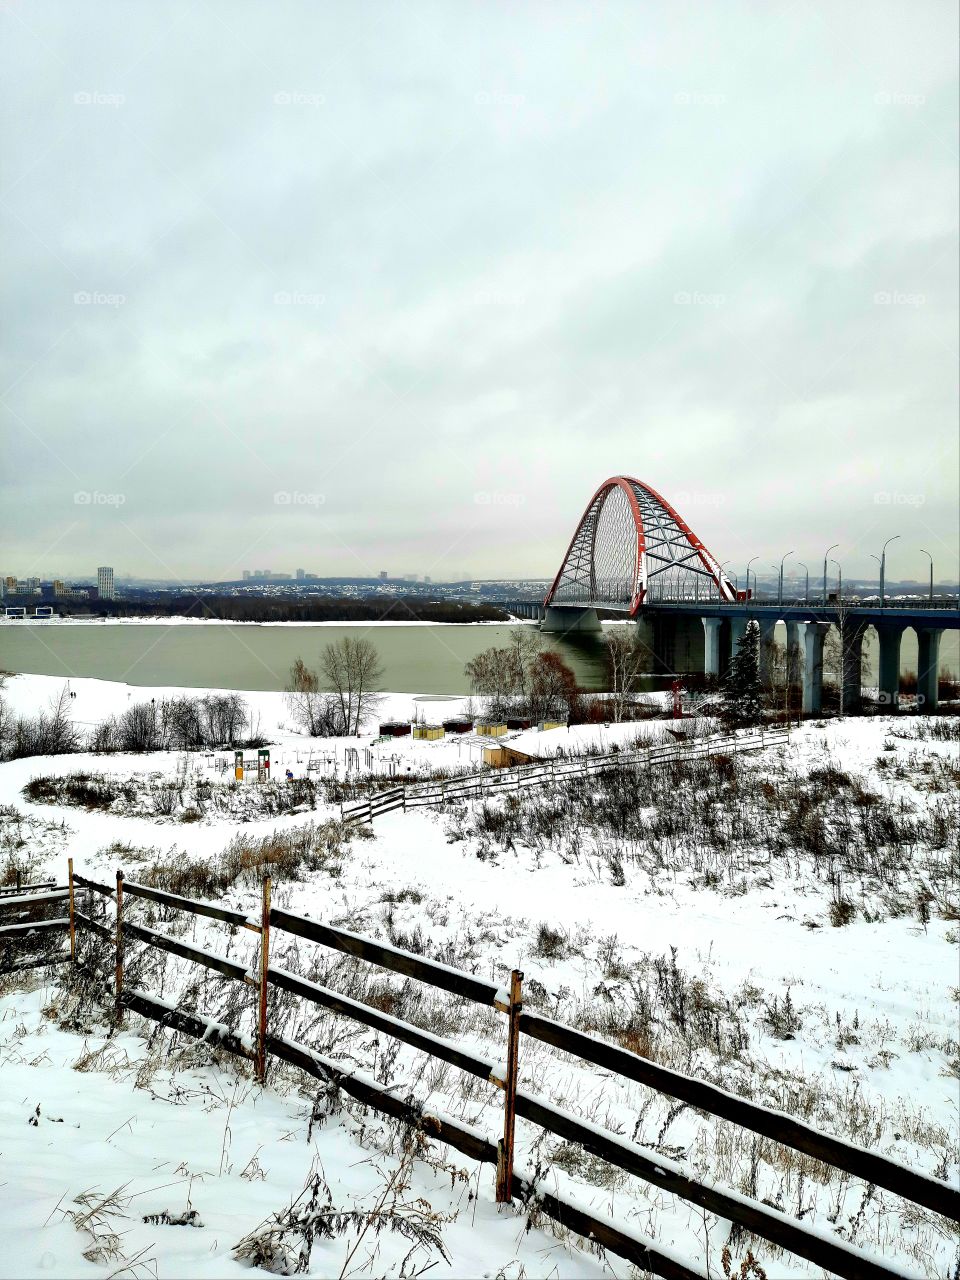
[491,783]
[824,1248]
[25,914]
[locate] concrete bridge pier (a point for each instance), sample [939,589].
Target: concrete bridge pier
[711,645]
[851,661]
[811,637]
[928,668]
[569,619]
[767,629]
[793,661]
[738,626]
[890,635]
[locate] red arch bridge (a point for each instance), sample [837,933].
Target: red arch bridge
[634,554]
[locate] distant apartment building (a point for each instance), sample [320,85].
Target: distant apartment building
[383,575]
[9,585]
[246,575]
[62,592]
[105,588]
[301,574]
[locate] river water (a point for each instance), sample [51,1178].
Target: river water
[415,659]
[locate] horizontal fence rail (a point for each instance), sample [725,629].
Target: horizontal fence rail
[15,890]
[26,927]
[28,901]
[468,1141]
[779,1126]
[406,962]
[492,782]
[29,916]
[820,1246]
[175,901]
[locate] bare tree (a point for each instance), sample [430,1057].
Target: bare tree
[625,660]
[315,712]
[352,670]
[500,678]
[524,647]
[553,689]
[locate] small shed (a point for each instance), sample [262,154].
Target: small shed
[503,756]
[552,724]
[492,729]
[458,724]
[427,732]
[394,729]
[518,722]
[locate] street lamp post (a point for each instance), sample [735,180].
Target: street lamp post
[780,587]
[927,553]
[883,564]
[839,581]
[825,554]
[806,589]
[749,563]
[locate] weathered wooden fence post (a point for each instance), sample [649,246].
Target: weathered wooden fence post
[264,967]
[118,974]
[73,935]
[505,1145]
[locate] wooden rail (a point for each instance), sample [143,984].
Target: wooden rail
[824,1248]
[406,962]
[930,1192]
[176,902]
[26,927]
[635,1248]
[18,888]
[28,901]
[493,782]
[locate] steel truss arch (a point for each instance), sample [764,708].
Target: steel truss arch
[631,546]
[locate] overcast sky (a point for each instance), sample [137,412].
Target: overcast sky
[362,286]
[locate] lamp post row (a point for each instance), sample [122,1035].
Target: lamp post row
[881,561]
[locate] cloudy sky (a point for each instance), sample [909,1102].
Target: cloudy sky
[354,286]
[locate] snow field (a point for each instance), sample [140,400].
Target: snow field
[865,1047]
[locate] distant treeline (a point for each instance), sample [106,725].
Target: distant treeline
[316,609]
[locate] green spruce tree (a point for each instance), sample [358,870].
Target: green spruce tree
[743,690]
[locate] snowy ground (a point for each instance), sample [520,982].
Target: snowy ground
[737,975]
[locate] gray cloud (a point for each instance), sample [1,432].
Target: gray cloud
[385,260]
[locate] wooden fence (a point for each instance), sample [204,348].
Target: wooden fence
[492,782]
[33,913]
[820,1246]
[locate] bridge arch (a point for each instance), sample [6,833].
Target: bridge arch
[632,546]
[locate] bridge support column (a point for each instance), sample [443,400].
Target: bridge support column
[890,635]
[569,619]
[767,630]
[793,665]
[711,645]
[851,663]
[737,628]
[811,639]
[928,668]
[646,639]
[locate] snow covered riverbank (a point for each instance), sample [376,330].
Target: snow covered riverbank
[819,983]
